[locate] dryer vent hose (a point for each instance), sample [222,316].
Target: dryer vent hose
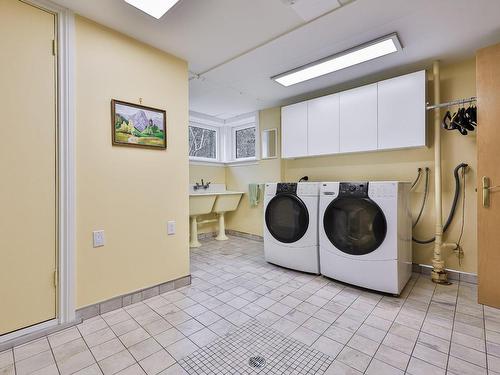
[453,205]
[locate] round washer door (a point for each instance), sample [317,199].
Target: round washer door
[355,226]
[287,218]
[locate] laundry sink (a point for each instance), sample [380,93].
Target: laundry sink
[212,199]
[201,204]
[227,201]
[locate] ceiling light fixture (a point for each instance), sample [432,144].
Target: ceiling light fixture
[357,55]
[155,8]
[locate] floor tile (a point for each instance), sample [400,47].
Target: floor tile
[181,348]
[116,362]
[157,362]
[377,367]
[354,358]
[144,348]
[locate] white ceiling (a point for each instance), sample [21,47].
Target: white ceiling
[237,45]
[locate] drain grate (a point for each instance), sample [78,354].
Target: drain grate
[257,361]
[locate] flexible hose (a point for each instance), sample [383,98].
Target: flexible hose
[415,182]
[453,206]
[424,200]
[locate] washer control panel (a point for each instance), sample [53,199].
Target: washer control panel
[354,189]
[286,187]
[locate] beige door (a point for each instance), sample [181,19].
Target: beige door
[27,166]
[488,164]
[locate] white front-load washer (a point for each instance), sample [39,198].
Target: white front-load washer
[365,234]
[291,225]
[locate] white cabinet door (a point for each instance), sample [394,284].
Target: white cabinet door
[294,130]
[323,125]
[401,111]
[358,119]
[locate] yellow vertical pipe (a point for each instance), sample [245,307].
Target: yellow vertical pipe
[438,269]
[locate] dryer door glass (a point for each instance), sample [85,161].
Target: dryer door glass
[355,226]
[287,218]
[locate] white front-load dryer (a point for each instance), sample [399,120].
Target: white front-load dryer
[365,234]
[291,225]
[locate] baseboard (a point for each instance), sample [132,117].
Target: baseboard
[249,236]
[130,298]
[231,232]
[466,277]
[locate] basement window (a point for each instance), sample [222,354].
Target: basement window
[203,143]
[244,142]
[222,142]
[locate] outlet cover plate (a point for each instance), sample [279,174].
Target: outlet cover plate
[98,237]
[170,228]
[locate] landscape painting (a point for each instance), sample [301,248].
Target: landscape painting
[138,126]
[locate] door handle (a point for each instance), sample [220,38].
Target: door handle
[486,191]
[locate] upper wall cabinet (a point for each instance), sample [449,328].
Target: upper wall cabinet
[294,130]
[358,119]
[385,115]
[323,125]
[401,111]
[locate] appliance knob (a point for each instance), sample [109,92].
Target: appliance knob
[352,188]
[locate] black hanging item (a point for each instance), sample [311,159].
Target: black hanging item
[446,124]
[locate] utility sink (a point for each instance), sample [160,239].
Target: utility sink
[213,199]
[201,204]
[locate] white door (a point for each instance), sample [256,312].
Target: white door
[358,119]
[323,125]
[294,130]
[401,111]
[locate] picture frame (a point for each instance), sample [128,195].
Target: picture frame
[136,125]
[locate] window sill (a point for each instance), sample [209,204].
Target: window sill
[235,163]
[207,163]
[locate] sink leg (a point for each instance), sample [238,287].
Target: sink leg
[194,233]
[222,228]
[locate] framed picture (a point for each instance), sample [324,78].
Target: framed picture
[138,126]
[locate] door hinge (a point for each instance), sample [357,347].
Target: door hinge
[54,47]
[56,277]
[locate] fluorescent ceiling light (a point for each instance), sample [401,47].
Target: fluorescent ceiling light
[155,8]
[368,51]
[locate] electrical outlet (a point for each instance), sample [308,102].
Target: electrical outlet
[98,236]
[170,228]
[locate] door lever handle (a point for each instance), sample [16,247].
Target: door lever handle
[486,191]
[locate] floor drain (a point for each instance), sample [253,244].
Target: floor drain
[257,362]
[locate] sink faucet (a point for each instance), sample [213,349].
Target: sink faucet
[203,185]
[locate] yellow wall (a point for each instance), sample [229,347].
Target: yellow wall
[457,81]
[249,219]
[130,193]
[216,175]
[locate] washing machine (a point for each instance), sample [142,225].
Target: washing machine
[291,225]
[365,234]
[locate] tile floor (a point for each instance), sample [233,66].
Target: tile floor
[430,329]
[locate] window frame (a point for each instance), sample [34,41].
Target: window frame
[217,158]
[226,137]
[235,129]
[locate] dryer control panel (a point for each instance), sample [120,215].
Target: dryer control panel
[286,187]
[354,189]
